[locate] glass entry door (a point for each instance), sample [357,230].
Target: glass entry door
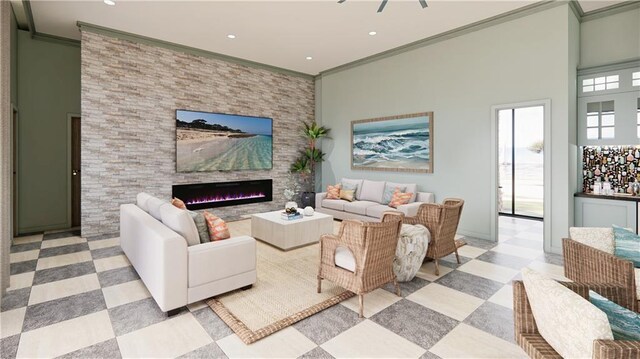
[521,166]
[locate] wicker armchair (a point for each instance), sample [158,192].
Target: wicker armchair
[442,222]
[585,264]
[528,338]
[373,246]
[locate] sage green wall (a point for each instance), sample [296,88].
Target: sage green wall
[14,60]
[48,90]
[459,79]
[610,39]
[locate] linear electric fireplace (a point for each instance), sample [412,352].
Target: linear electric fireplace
[221,194]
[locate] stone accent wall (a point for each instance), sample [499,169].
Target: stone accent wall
[130,92]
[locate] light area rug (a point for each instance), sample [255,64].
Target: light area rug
[285,293]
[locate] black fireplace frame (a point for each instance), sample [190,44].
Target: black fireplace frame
[185,192]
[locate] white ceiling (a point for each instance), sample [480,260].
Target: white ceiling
[278,33]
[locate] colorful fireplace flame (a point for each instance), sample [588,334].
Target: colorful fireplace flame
[224,198]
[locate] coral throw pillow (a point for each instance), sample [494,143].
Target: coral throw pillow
[218,229]
[333,192]
[178,203]
[399,198]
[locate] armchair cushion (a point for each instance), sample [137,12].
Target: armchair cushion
[625,324]
[627,245]
[359,207]
[344,259]
[598,238]
[567,321]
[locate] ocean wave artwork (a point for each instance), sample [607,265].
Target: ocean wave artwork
[399,143]
[220,142]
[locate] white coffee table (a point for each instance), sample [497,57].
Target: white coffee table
[289,234]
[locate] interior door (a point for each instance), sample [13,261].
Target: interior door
[14,171]
[75,171]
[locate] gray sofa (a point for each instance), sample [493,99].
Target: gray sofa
[368,205]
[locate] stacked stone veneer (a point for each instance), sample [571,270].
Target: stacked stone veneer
[130,92]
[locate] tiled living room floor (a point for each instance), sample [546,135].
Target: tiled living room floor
[74,298]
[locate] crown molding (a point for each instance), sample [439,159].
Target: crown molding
[610,10]
[619,65]
[463,30]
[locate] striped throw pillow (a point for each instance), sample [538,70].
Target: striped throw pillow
[178,203]
[218,229]
[333,192]
[399,198]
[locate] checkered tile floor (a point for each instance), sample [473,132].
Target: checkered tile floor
[75,298]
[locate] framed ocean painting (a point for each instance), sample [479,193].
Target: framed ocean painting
[397,143]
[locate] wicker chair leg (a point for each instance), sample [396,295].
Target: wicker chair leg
[361,300]
[319,284]
[437,268]
[395,283]
[457,256]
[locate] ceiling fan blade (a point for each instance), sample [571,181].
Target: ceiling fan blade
[384,3]
[341,1]
[423,3]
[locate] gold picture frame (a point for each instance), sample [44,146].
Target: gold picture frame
[402,143]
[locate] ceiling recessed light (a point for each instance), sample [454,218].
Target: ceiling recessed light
[109,2]
[372,33]
[231,36]
[309,58]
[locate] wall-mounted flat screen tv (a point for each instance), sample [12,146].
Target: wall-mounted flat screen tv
[208,141]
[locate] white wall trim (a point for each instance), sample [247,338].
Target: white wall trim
[546,103]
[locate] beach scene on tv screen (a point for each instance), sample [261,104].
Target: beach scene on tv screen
[220,142]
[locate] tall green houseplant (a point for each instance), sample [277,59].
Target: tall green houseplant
[305,164]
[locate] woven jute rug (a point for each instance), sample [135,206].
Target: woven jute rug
[284,294]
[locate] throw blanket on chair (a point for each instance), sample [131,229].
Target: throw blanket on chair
[411,250]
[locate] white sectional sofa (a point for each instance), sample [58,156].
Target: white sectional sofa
[175,273]
[367,205]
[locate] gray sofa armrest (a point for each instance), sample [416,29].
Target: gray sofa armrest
[319,197]
[425,197]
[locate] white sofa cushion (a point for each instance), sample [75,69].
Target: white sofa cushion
[353,182]
[154,204]
[598,238]
[371,191]
[359,207]
[336,204]
[377,210]
[141,201]
[567,321]
[344,259]
[180,221]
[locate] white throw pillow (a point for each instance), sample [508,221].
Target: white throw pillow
[141,201]
[567,321]
[154,204]
[180,221]
[372,191]
[598,238]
